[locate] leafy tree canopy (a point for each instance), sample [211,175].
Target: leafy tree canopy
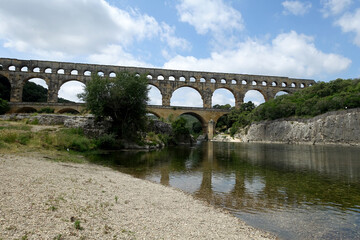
[122,98]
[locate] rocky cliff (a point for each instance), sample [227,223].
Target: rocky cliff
[340,127]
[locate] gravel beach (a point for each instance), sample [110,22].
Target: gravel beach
[42,199]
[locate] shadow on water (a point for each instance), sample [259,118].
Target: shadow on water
[295,191]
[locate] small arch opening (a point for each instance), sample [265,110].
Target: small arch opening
[233,82]
[160,77]
[100,73]
[61,71]
[182,79]
[192,79]
[171,78]
[74,72]
[12,68]
[36,70]
[112,75]
[293,85]
[48,70]
[87,73]
[223,81]
[274,84]
[283,84]
[243,82]
[149,77]
[202,80]
[24,69]
[302,85]
[264,83]
[254,83]
[213,80]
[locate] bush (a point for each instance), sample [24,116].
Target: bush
[46,110]
[106,141]
[4,106]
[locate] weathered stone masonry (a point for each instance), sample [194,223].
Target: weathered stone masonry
[55,74]
[167,81]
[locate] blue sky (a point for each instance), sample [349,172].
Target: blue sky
[317,40]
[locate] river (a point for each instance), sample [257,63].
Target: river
[293,191]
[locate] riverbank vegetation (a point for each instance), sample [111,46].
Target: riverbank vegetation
[309,102]
[122,99]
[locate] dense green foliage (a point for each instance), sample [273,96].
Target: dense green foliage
[34,93]
[122,98]
[309,102]
[238,117]
[192,124]
[179,127]
[226,106]
[4,106]
[312,101]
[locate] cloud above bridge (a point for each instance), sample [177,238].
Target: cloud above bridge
[59,29]
[288,54]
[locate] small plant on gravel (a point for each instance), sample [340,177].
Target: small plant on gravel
[77,225]
[116,199]
[58,237]
[53,208]
[25,237]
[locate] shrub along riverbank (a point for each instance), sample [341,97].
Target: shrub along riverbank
[309,102]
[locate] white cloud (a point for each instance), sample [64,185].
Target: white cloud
[350,22]
[210,16]
[289,54]
[72,28]
[115,55]
[296,7]
[334,7]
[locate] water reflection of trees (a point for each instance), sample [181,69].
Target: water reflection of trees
[258,177]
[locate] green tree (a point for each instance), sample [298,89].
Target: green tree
[226,106]
[122,98]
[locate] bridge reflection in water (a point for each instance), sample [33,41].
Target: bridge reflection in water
[295,191]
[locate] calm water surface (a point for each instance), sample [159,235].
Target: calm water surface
[294,191]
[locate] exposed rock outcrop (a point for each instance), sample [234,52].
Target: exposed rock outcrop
[339,127]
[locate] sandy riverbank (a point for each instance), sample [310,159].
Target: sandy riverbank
[42,199]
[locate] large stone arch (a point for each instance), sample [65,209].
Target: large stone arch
[191,87]
[203,122]
[66,94]
[160,91]
[228,90]
[257,91]
[27,82]
[5,88]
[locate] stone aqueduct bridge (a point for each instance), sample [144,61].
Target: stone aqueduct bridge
[55,74]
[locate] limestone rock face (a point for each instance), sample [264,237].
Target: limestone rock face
[340,127]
